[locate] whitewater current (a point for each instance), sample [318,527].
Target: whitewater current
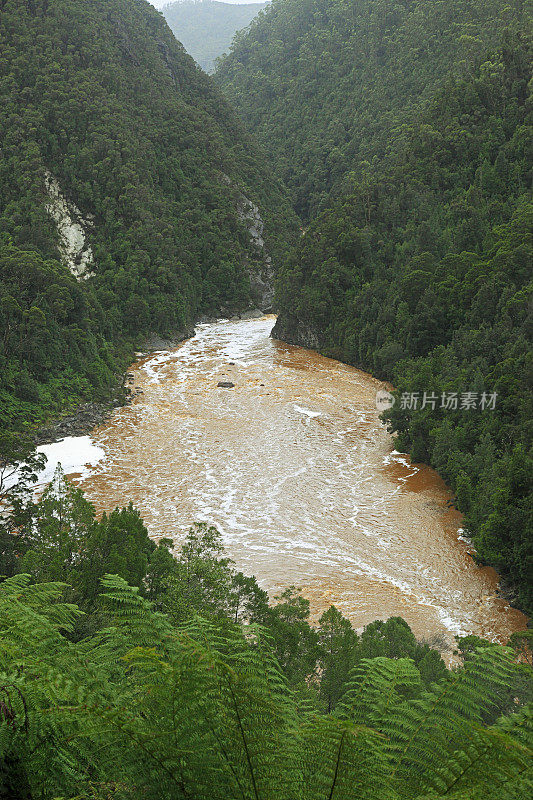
[295,468]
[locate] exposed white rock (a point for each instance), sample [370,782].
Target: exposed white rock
[248,212]
[260,268]
[77,255]
[261,273]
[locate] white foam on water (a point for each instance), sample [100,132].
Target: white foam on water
[243,337]
[223,342]
[293,497]
[466,539]
[399,458]
[307,412]
[394,457]
[76,454]
[151,366]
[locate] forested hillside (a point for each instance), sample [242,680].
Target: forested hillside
[174,678]
[131,202]
[411,122]
[423,276]
[206,27]
[327,85]
[121,164]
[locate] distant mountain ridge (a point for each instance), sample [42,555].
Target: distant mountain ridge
[206,27]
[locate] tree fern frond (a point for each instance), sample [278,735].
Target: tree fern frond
[343,761]
[431,737]
[375,686]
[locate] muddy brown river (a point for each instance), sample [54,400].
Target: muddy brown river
[295,468]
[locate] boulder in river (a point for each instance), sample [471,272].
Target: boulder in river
[254,313]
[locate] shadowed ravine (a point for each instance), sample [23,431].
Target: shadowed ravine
[294,466]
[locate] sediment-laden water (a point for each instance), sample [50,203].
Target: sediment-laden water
[296,469]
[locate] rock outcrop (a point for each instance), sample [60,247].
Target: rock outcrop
[261,272]
[294,331]
[259,269]
[76,254]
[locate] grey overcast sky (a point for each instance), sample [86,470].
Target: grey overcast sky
[161,3]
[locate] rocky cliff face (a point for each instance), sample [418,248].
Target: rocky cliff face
[259,265]
[293,331]
[133,133]
[76,254]
[260,271]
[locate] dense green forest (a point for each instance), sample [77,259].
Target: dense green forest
[424,278]
[102,98]
[419,114]
[206,27]
[327,85]
[173,677]
[128,670]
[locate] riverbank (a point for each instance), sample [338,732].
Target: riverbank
[295,468]
[82,420]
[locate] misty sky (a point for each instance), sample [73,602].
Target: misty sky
[161,3]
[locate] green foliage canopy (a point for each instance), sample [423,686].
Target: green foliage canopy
[423,276]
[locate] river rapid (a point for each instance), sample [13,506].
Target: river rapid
[295,468]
